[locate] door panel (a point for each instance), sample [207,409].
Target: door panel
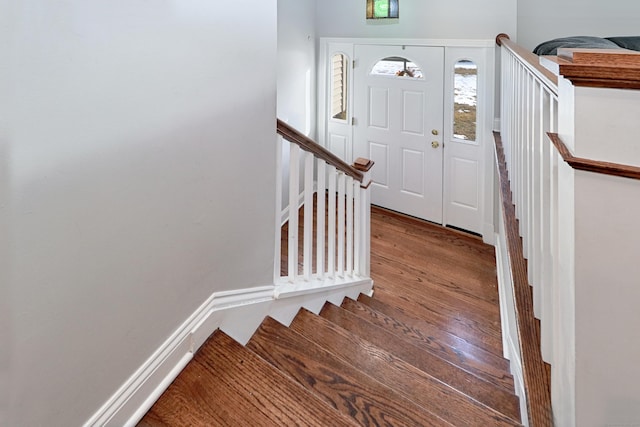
[395,116]
[338,144]
[413,112]
[464,174]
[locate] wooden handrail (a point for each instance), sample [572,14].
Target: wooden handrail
[530,60]
[307,144]
[536,376]
[596,166]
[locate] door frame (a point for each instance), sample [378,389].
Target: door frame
[484,51]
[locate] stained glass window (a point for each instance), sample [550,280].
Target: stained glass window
[381,9]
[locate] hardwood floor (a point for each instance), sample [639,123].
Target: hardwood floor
[424,351]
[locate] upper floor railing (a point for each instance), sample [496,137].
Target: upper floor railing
[569,167]
[325,232]
[527,165]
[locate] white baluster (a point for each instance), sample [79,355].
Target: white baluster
[294,184]
[331,228]
[341,224]
[320,218]
[357,228]
[307,254]
[278,248]
[349,201]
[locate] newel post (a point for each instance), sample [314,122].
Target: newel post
[595,371]
[363,245]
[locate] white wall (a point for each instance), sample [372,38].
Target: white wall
[297,64]
[540,20]
[455,19]
[297,46]
[137,177]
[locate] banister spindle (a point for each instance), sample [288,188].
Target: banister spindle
[294,190]
[320,220]
[341,225]
[307,253]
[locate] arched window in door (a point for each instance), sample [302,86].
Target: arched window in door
[339,88]
[465,100]
[397,66]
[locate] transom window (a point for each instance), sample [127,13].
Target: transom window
[398,67]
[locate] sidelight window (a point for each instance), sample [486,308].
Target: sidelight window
[339,89]
[465,97]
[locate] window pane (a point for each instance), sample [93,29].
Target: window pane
[465,100]
[381,9]
[397,66]
[339,67]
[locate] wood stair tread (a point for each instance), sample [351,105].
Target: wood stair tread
[342,386]
[228,385]
[473,332]
[413,383]
[431,329]
[444,294]
[504,401]
[481,363]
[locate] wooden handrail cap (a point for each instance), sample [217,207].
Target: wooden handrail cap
[362,164]
[501,36]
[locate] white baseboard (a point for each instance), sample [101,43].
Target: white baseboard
[518,380]
[511,348]
[488,234]
[237,313]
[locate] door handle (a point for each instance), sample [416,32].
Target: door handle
[435,144]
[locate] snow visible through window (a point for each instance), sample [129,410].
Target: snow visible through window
[397,66]
[465,97]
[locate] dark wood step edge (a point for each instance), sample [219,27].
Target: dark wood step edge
[536,380]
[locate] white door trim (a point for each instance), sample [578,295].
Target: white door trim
[485,114]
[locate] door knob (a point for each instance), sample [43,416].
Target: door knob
[435,144]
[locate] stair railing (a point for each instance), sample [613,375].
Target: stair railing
[528,174]
[333,245]
[568,158]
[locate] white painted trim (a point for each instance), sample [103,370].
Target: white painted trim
[287,290]
[238,313]
[511,349]
[496,124]
[413,42]
[518,375]
[168,360]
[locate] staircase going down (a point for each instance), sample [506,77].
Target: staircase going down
[425,351]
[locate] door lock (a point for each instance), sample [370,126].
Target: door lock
[435,144]
[434,132]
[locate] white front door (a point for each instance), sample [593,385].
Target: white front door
[398,120]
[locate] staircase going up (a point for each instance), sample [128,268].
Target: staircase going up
[366,362]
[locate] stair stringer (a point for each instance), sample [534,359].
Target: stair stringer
[238,313]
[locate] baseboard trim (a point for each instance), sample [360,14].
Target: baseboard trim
[237,313]
[518,380]
[165,364]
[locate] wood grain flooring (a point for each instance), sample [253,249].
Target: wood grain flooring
[424,351]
